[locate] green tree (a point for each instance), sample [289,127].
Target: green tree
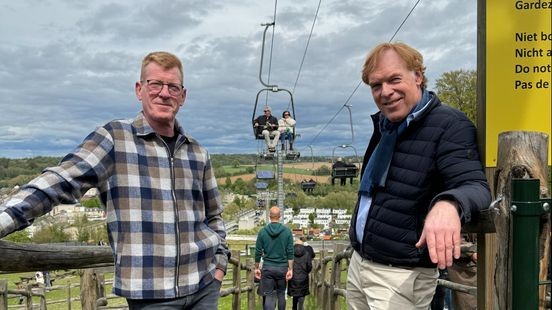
[220,172]
[239,202]
[83,230]
[457,89]
[227,182]
[339,200]
[50,234]
[91,203]
[240,186]
[21,236]
[323,170]
[99,232]
[311,219]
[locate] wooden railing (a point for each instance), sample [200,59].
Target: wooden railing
[240,284]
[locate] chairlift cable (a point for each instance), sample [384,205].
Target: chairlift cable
[331,120]
[326,125]
[404,20]
[271,48]
[360,82]
[306,49]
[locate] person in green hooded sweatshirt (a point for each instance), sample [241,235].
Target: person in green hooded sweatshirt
[275,245]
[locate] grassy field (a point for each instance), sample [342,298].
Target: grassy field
[294,172]
[65,279]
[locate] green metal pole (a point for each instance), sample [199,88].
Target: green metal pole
[526,211]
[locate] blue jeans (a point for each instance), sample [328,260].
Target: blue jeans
[273,285]
[286,136]
[205,299]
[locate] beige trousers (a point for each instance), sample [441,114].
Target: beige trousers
[373,286]
[267,135]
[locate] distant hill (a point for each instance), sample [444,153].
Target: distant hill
[20,171]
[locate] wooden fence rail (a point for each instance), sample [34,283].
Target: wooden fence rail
[326,283]
[242,283]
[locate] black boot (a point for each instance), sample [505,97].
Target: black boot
[291,146]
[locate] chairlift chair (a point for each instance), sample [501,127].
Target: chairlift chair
[346,170]
[272,88]
[308,185]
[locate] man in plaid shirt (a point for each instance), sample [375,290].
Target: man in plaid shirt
[157,184]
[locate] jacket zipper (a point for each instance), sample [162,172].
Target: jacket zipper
[177,219]
[177,230]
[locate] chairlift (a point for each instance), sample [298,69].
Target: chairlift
[343,170]
[257,131]
[265,175]
[261,185]
[308,185]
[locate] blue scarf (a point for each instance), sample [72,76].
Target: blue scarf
[377,168]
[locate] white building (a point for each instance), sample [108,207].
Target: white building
[323,211]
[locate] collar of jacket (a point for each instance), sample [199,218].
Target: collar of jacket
[376,134]
[143,129]
[433,102]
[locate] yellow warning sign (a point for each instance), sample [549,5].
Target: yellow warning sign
[519,74]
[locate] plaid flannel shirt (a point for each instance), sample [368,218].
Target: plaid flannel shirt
[163,212]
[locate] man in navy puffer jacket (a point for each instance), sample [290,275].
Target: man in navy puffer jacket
[422,178]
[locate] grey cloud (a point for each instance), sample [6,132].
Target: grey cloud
[80,74]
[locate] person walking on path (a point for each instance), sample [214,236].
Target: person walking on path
[298,286]
[275,245]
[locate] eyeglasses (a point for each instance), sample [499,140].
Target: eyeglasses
[286,114]
[155,87]
[267,110]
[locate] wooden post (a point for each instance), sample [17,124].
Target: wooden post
[3,294]
[42,294]
[236,281]
[321,280]
[336,277]
[251,283]
[486,256]
[88,286]
[521,154]
[68,295]
[100,290]
[29,300]
[325,282]
[314,277]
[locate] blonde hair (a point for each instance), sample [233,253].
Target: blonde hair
[413,59]
[164,59]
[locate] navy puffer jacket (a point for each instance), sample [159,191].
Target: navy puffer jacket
[435,158]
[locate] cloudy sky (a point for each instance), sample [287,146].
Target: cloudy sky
[69,66]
